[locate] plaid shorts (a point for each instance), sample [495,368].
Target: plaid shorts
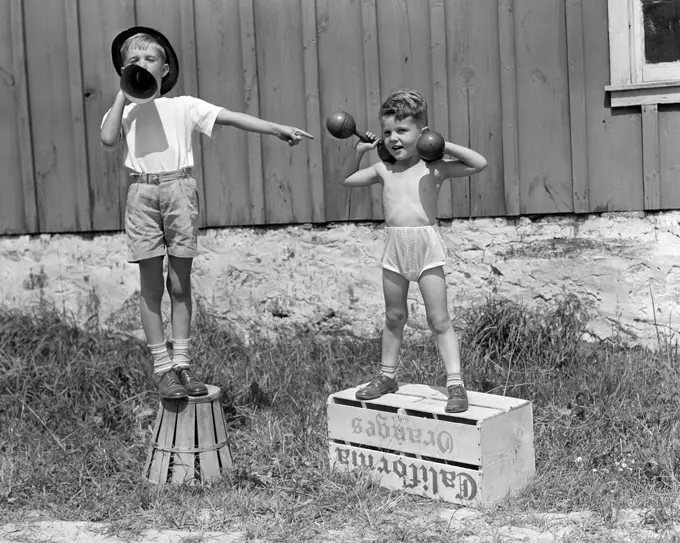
[162,215]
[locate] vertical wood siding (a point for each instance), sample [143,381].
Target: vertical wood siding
[521,81]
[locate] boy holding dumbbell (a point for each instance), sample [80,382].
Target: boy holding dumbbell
[414,250]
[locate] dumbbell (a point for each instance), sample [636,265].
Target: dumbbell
[342,126]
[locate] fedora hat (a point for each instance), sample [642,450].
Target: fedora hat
[168,82]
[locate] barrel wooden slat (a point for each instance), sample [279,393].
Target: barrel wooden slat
[189,441]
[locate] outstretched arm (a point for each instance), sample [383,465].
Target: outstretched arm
[252,124]
[467,161]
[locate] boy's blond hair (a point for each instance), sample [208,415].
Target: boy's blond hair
[141,41]
[405,103]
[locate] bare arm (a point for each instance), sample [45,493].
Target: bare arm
[110,131]
[467,161]
[350,175]
[252,124]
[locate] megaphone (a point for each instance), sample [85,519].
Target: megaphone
[138,84]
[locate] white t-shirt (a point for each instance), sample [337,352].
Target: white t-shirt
[158,133]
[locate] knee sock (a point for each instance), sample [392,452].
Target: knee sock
[388,370]
[454,378]
[180,352]
[161,359]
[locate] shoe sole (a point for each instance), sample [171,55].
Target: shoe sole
[202,393]
[459,410]
[181,397]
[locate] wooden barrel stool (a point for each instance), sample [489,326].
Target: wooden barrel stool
[189,441]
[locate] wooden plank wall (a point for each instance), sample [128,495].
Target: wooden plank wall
[614,136]
[521,81]
[17,206]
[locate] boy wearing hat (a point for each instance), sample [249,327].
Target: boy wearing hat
[162,203]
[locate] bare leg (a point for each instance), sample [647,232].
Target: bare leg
[179,288]
[433,288]
[151,294]
[395,289]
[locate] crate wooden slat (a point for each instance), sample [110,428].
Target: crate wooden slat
[407,389]
[508,452]
[414,475]
[403,433]
[478,456]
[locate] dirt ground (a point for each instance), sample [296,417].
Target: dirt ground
[468,525]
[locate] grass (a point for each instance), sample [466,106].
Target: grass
[77,409]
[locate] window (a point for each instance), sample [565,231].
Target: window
[644,48]
[656,31]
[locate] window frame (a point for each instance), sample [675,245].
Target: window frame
[633,82]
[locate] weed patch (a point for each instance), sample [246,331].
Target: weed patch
[77,409]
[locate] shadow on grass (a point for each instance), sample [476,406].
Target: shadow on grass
[77,409]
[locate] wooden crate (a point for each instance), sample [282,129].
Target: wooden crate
[408,442]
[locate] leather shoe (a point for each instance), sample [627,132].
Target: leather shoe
[379,386]
[191,383]
[458,400]
[168,386]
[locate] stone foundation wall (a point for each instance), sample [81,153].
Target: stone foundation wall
[620,265]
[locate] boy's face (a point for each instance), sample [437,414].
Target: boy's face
[400,137]
[150,59]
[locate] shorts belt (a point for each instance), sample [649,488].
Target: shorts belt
[161,177]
